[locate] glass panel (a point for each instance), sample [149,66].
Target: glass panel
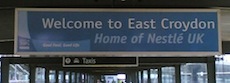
[154,75]
[145,76]
[19,73]
[73,77]
[86,78]
[61,77]
[52,76]
[113,78]
[194,73]
[40,75]
[83,78]
[77,77]
[223,69]
[67,77]
[139,77]
[168,75]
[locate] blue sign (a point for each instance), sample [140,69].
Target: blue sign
[112,30]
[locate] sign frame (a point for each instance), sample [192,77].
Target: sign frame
[136,53]
[101,65]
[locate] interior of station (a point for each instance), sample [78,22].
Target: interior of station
[150,69]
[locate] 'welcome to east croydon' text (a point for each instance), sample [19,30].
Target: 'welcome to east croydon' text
[165,23]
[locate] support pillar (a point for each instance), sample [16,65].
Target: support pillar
[142,76]
[96,77]
[76,77]
[211,68]
[89,77]
[137,77]
[80,78]
[64,79]
[56,76]
[128,77]
[159,75]
[134,77]
[85,78]
[70,77]
[149,77]
[47,72]
[5,70]
[32,73]
[178,74]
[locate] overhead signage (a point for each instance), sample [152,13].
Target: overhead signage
[117,31]
[100,61]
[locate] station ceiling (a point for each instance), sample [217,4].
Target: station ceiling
[115,3]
